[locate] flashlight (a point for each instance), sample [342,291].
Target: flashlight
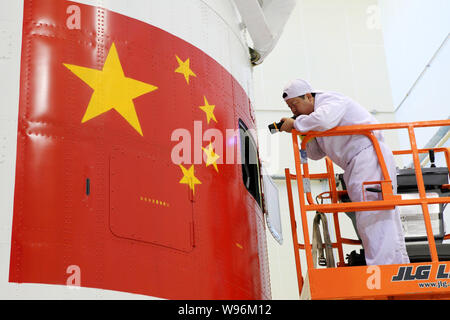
[275,127]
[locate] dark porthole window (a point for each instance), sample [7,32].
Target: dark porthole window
[250,163]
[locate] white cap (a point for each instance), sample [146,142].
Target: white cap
[297,88]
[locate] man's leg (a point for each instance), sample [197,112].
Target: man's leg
[380,231]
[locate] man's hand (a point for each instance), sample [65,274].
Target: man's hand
[288,124]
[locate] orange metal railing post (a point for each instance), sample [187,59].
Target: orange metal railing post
[301,197]
[447,157]
[297,246]
[380,156]
[422,194]
[334,199]
[306,174]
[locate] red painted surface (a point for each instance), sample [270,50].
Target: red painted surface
[139,229]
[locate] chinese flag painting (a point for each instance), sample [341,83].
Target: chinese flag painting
[98,201]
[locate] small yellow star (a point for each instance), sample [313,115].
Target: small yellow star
[189,177]
[184,69]
[209,110]
[211,156]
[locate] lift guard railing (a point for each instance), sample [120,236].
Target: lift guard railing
[388,202]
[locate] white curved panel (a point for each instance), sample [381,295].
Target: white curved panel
[212,26]
[11,12]
[14,291]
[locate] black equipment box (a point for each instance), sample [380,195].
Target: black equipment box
[433,178]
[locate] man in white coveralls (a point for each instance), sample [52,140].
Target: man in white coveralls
[380,231]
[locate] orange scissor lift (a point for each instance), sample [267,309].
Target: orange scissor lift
[425,280]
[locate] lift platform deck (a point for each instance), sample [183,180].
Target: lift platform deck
[424,280]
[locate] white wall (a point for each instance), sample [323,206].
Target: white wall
[335,45]
[418,57]
[390,55]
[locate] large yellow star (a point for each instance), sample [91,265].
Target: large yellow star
[112,90]
[209,110]
[211,156]
[184,69]
[189,177]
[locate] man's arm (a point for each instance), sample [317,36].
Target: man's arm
[313,150]
[325,117]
